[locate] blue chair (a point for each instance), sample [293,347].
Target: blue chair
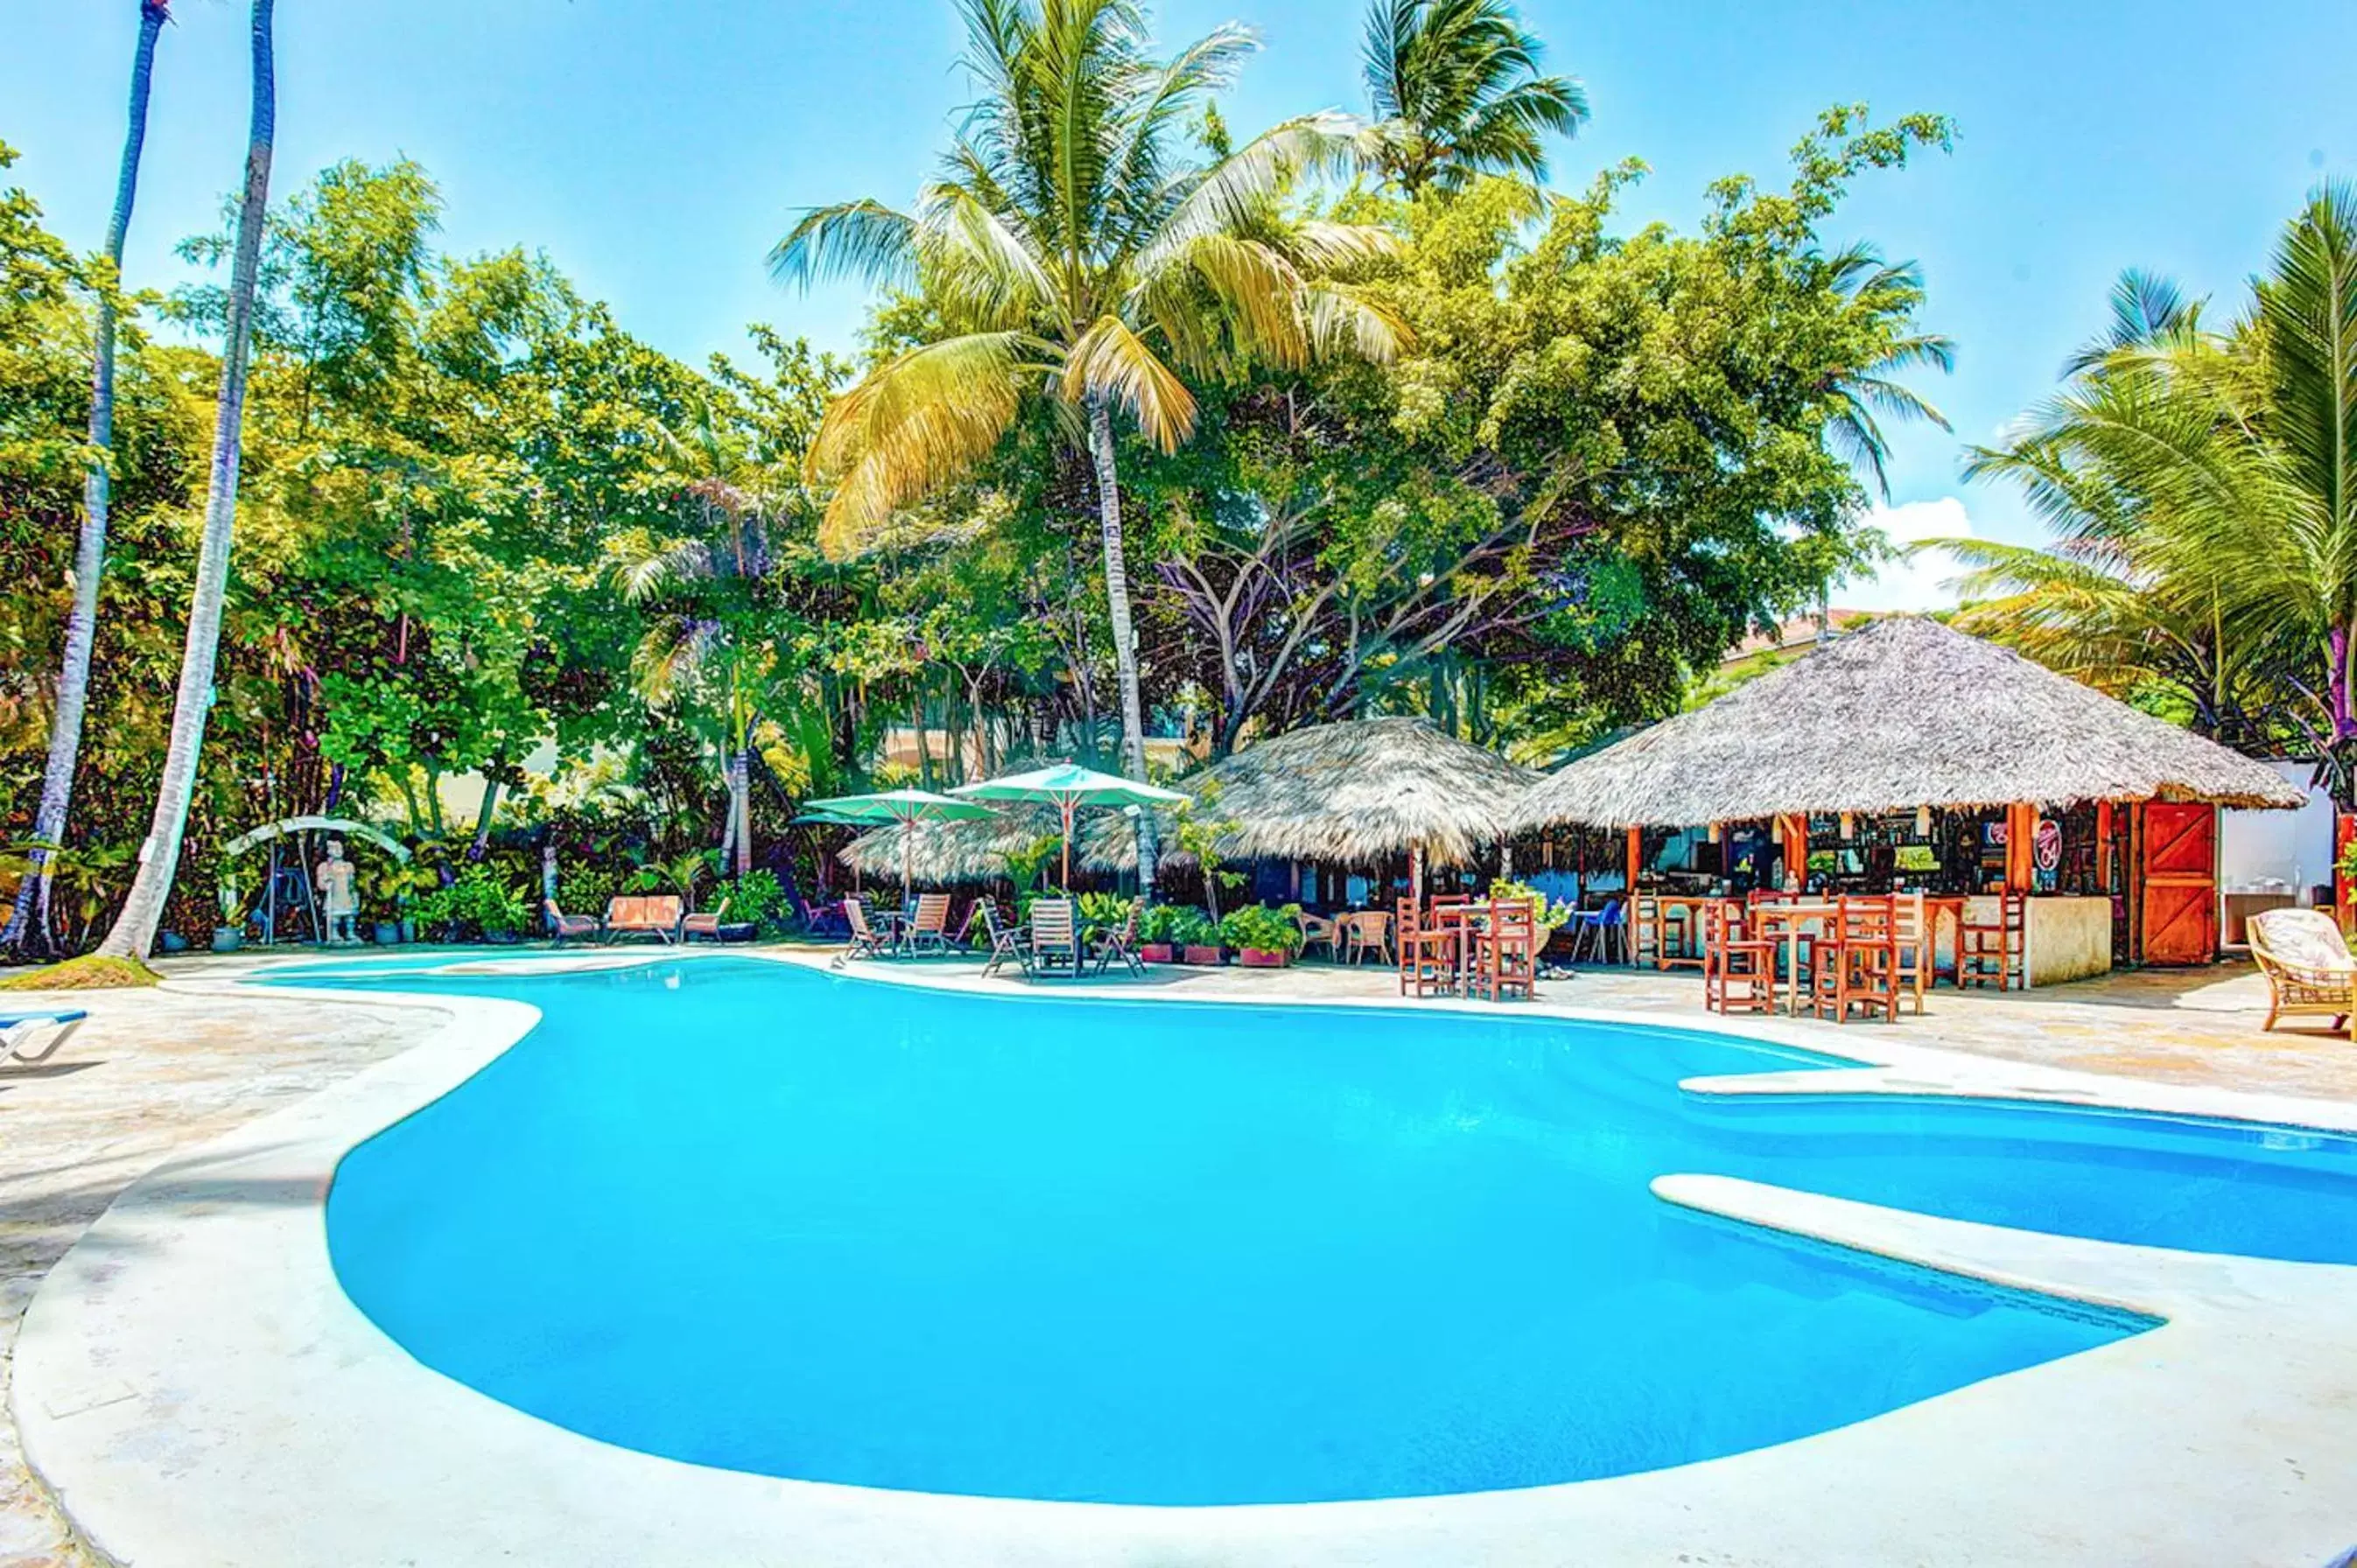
[1594,931]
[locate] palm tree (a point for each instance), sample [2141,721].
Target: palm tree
[1456,86]
[1875,293]
[135,927]
[89,548]
[1077,251]
[2217,473]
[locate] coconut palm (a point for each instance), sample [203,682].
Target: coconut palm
[1079,251]
[89,547]
[1875,293]
[2220,468]
[135,927]
[1456,84]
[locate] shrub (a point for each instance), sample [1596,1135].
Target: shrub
[756,897]
[1102,913]
[1180,925]
[1263,930]
[477,902]
[1551,915]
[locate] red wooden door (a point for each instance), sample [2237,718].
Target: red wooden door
[2181,883]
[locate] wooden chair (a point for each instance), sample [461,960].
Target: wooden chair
[2310,971]
[1457,914]
[1121,943]
[1856,965]
[865,942]
[1005,941]
[1911,935]
[1505,950]
[564,927]
[1644,943]
[1055,937]
[929,929]
[1990,948]
[1427,955]
[657,916]
[1739,970]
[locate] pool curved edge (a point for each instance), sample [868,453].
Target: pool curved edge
[193,1384]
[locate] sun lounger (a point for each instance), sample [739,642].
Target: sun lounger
[1005,941]
[563,925]
[929,930]
[2310,971]
[865,940]
[714,925]
[1055,937]
[19,1030]
[658,916]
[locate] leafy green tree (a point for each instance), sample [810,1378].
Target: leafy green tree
[135,927]
[1074,250]
[90,552]
[1456,88]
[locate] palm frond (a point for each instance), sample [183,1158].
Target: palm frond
[1111,361]
[864,240]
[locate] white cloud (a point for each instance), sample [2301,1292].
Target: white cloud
[1917,581]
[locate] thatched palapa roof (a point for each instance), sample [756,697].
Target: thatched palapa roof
[948,854]
[1353,794]
[1905,713]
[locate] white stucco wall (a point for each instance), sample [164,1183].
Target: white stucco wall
[2257,850]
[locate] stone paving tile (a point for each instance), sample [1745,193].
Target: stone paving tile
[154,1072]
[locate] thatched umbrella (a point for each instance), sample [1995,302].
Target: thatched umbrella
[1902,714]
[1353,794]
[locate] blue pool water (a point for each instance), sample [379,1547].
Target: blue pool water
[758,1217]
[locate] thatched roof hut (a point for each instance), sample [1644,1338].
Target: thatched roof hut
[1353,794]
[1906,712]
[949,855]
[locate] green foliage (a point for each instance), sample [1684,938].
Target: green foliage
[1258,926]
[477,903]
[1104,913]
[88,972]
[756,897]
[1180,925]
[1552,915]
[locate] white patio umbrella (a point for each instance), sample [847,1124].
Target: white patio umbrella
[1067,787]
[906,807]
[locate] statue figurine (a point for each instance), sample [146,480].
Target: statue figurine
[338,903]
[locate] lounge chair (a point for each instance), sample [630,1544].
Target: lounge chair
[1055,937]
[1317,929]
[929,929]
[658,916]
[865,942]
[562,926]
[1121,943]
[714,925]
[2310,971]
[18,1030]
[1005,941]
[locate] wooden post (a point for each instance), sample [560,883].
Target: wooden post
[1797,849]
[1416,874]
[1636,857]
[2020,847]
[2104,844]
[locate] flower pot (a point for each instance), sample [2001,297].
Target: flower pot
[228,938]
[388,933]
[1208,957]
[1156,952]
[408,929]
[173,942]
[1264,958]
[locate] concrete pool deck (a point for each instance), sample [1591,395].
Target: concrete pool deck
[202,1392]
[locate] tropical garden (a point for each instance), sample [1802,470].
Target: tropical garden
[1162,438]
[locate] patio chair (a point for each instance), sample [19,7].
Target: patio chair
[1005,941]
[1317,929]
[714,926]
[865,941]
[1505,950]
[1121,943]
[1910,931]
[2310,971]
[1427,955]
[1739,970]
[1857,963]
[928,927]
[1594,931]
[1055,937]
[563,925]
[657,916]
[19,1030]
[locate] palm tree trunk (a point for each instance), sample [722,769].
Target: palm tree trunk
[740,809]
[1125,636]
[90,550]
[483,844]
[159,857]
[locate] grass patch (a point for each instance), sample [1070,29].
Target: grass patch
[88,972]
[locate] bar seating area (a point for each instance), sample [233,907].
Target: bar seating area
[1455,945]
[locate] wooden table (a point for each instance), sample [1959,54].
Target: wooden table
[1782,923]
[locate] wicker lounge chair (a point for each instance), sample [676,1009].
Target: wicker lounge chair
[1316,930]
[18,1030]
[563,925]
[656,915]
[2310,971]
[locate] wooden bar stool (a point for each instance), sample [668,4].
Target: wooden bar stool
[1990,948]
[1739,970]
[1427,955]
[1856,965]
[1504,950]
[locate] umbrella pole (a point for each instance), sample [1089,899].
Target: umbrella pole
[1068,845]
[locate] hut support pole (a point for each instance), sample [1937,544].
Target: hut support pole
[1416,874]
[2020,847]
[2104,845]
[1796,850]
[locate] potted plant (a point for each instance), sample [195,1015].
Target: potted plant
[1154,926]
[1196,939]
[1263,937]
[1549,915]
[230,935]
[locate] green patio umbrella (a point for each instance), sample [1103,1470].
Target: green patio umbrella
[1067,787]
[906,807]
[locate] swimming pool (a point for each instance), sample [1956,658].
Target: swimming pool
[751,1215]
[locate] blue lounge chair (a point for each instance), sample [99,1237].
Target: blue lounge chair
[19,1030]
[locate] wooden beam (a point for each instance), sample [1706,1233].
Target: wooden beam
[1636,857]
[1797,849]
[2020,847]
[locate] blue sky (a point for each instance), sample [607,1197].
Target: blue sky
[655,148]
